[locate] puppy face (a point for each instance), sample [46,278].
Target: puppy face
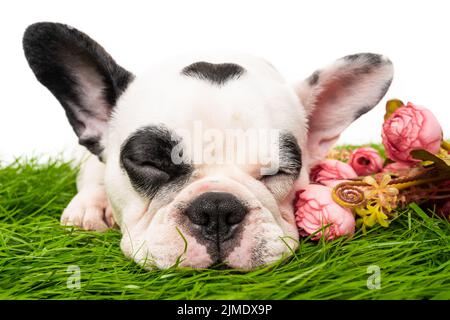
[227,211]
[203,154]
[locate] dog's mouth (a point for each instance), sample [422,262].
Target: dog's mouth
[220,249]
[220,265]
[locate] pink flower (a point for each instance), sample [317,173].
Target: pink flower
[410,127]
[366,161]
[397,168]
[315,209]
[328,171]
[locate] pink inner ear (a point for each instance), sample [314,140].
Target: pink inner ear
[343,91]
[319,147]
[326,123]
[329,93]
[329,141]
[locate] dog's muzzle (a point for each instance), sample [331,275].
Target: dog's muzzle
[218,214]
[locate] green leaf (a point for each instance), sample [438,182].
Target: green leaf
[391,106]
[419,211]
[424,155]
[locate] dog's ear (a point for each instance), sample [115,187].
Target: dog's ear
[81,75]
[337,95]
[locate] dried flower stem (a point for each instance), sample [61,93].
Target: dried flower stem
[351,194]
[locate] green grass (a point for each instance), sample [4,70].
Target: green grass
[35,253]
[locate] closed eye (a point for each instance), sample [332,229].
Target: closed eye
[279,184]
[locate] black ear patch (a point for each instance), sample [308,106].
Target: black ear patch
[81,75]
[314,78]
[217,74]
[371,61]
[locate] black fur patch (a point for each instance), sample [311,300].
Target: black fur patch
[54,51]
[217,74]
[371,58]
[362,111]
[385,89]
[370,61]
[290,155]
[146,158]
[314,78]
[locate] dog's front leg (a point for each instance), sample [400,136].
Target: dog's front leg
[89,209]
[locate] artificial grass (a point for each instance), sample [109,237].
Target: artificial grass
[36,252]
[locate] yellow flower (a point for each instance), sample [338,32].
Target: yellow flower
[382,193]
[381,200]
[373,213]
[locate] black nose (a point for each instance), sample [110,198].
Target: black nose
[218,213]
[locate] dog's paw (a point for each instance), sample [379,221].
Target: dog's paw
[89,210]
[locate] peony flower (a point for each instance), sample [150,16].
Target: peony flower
[328,171]
[315,209]
[366,161]
[410,127]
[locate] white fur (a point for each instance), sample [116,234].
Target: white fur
[259,99]
[90,208]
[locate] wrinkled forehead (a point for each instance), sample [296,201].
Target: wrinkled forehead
[220,92]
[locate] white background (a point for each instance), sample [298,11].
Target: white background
[297,37]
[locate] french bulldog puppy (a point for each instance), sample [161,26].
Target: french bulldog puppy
[144,131]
